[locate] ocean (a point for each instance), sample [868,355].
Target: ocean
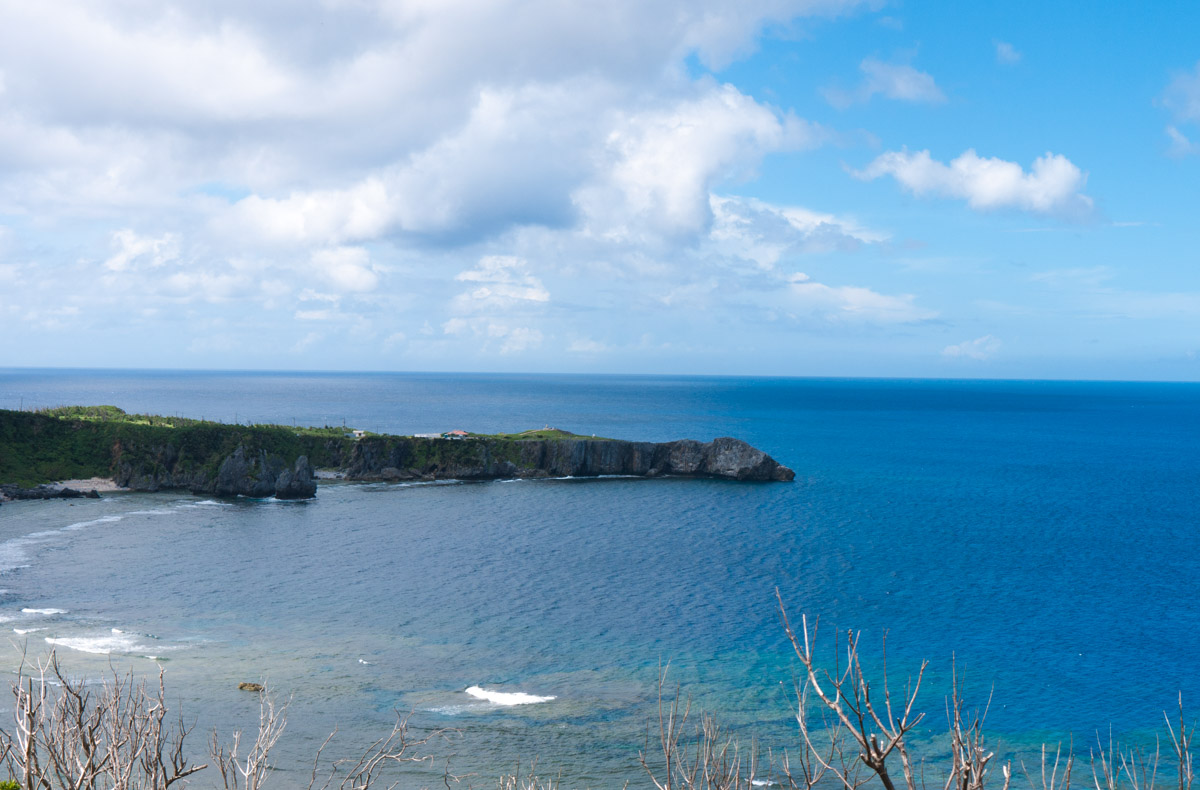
[1038,538]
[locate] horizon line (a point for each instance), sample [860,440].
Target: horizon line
[809,377]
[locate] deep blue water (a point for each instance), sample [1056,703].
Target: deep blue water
[1041,533]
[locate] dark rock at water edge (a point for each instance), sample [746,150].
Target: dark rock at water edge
[261,475]
[9,492]
[244,472]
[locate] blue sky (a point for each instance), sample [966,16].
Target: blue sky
[822,187]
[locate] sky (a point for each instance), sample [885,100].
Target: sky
[780,188]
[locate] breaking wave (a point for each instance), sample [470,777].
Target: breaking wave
[506,698]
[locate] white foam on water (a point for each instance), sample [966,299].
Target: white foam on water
[368,663]
[506,698]
[103,645]
[12,554]
[30,610]
[26,630]
[85,524]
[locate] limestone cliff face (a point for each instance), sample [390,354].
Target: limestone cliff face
[212,459]
[404,458]
[261,475]
[243,472]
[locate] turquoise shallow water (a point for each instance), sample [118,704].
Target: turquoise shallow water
[1042,533]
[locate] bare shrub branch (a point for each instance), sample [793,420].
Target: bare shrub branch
[65,737]
[398,747]
[704,759]
[250,772]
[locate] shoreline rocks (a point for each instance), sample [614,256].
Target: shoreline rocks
[10,492]
[244,472]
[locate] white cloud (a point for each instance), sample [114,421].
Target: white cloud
[306,342]
[500,281]
[313,315]
[208,286]
[1180,144]
[1052,186]
[493,335]
[853,304]
[980,348]
[346,269]
[585,345]
[764,233]
[540,155]
[129,247]
[518,339]
[892,80]
[1182,96]
[662,163]
[1007,54]
[366,166]
[325,216]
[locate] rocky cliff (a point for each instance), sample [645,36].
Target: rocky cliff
[243,472]
[482,458]
[147,453]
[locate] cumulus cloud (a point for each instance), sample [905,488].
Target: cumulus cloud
[378,169]
[891,80]
[980,348]
[1007,54]
[662,163]
[762,232]
[550,156]
[346,269]
[1054,185]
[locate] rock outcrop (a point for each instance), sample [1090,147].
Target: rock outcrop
[242,473]
[8,491]
[261,475]
[404,458]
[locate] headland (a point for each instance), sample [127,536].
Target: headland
[154,453]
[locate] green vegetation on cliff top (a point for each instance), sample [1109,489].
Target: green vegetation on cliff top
[81,442]
[72,442]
